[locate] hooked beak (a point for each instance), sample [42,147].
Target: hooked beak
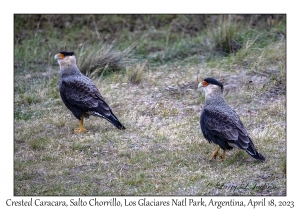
[200,85]
[56,57]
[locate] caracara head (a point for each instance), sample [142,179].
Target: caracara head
[65,58]
[211,85]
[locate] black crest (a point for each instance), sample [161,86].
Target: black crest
[67,53]
[214,82]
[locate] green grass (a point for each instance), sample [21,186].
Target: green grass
[148,67]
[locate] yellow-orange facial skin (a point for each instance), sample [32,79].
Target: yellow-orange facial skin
[65,60]
[203,84]
[210,90]
[59,56]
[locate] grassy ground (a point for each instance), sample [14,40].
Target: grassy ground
[148,68]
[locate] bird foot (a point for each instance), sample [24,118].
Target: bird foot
[215,155]
[222,157]
[80,130]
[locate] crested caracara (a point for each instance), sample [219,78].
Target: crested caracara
[221,125]
[79,93]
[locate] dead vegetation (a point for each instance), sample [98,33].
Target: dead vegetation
[162,151]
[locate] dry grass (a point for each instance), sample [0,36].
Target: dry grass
[135,74]
[96,61]
[162,151]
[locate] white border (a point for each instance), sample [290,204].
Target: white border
[8,9]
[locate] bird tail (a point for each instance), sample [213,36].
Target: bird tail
[109,117]
[254,153]
[114,120]
[117,123]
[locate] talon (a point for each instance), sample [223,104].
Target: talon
[81,129]
[216,153]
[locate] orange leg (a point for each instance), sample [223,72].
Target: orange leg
[223,155]
[215,153]
[81,128]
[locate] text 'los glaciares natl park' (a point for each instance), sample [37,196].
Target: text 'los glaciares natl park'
[138,201]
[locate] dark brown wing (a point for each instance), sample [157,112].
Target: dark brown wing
[80,93]
[224,128]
